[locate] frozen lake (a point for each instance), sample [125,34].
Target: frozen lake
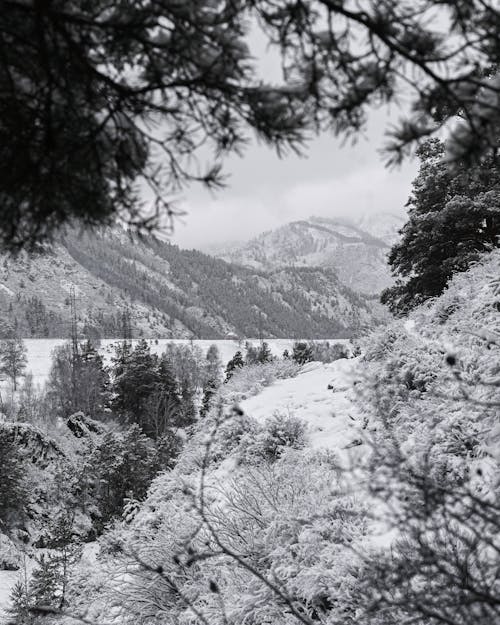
[40,350]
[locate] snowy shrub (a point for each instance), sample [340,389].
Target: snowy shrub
[278,433]
[432,393]
[10,556]
[231,435]
[324,351]
[251,379]
[194,560]
[318,351]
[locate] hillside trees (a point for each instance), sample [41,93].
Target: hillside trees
[13,359]
[159,394]
[453,216]
[134,381]
[122,466]
[99,98]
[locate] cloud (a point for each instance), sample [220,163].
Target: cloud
[232,216]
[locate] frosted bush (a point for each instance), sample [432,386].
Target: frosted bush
[288,519]
[279,433]
[251,379]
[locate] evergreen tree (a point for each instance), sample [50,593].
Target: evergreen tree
[188,409]
[213,373]
[45,581]
[19,609]
[454,215]
[66,551]
[208,394]
[264,353]
[213,365]
[236,362]
[164,404]
[13,359]
[123,465]
[135,380]
[75,138]
[302,352]
[13,489]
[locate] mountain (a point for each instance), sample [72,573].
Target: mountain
[357,252]
[114,280]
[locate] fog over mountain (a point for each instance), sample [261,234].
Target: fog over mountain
[356,249]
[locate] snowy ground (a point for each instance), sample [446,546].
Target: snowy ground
[40,350]
[330,413]
[7,581]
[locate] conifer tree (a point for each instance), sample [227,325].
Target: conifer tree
[83,81]
[13,489]
[135,380]
[264,353]
[302,352]
[454,215]
[188,409]
[236,362]
[19,609]
[208,393]
[123,464]
[213,364]
[212,378]
[164,404]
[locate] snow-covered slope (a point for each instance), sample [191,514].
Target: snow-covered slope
[354,252]
[322,396]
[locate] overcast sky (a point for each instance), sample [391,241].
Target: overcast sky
[265,192]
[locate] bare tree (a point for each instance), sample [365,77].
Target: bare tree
[13,359]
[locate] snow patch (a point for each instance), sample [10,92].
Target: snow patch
[322,396]
[7,290]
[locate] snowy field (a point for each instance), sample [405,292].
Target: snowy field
[40,350]
[7,581]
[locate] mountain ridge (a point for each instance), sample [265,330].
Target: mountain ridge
[357,256]
[169,292]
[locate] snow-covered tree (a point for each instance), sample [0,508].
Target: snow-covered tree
[13,359]
[302,352]
[236,362]
[453,215]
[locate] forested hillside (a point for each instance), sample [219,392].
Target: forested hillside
[152,288]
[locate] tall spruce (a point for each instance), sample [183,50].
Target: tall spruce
[135,380]
[454,214]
